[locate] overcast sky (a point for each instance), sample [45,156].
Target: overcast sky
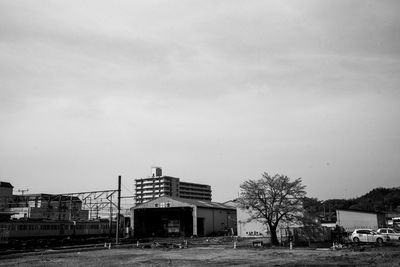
[214,92]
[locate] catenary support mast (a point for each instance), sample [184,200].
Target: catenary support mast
[118,211]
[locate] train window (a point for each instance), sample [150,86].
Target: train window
[45,227]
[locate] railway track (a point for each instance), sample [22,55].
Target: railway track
[11,253]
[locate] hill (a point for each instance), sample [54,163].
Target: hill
[377,200]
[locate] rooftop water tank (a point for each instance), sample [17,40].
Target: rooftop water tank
[156,171]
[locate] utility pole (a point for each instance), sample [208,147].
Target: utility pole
[119,210]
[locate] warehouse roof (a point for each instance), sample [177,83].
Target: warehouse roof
[189,202]
[206,204]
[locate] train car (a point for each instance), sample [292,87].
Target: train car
[94,228]
[31,230]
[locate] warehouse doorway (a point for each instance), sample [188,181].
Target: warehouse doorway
[165,222]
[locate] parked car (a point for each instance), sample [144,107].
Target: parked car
[389,233]
[367,235]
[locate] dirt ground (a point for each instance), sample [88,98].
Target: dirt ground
[214,255]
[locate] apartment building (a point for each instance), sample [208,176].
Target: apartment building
[157,185]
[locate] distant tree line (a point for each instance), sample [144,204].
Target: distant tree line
[377,200]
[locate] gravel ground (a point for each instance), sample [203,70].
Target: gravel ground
[214,255]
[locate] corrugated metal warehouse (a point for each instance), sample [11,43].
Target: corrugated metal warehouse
[170,216]
[353,219]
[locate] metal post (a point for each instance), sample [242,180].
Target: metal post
[59,207]
[90,208]
[111,214]
[70,208]
[119,210]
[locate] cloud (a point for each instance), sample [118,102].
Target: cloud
[227,87]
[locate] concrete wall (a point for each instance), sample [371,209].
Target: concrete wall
[247,228]
[5,193]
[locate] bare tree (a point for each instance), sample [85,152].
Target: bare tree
[273,200]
